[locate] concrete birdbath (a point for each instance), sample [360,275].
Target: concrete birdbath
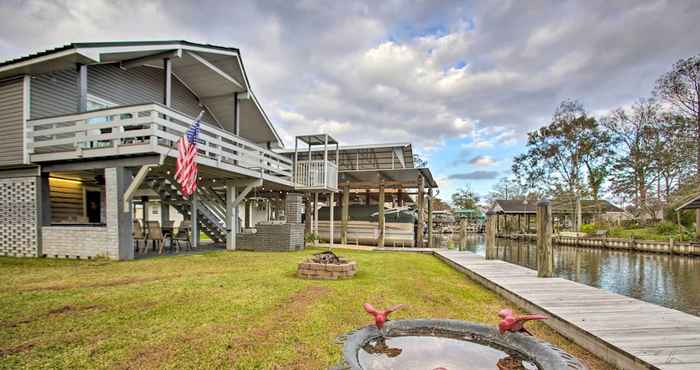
[448,345]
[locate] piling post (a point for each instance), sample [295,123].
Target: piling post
[491,224]
[380,217]
[344,214]
[430,218]
[420,203]
[545,252]
[670,246]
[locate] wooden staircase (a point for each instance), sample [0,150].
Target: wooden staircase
[211,210]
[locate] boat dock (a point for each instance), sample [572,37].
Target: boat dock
[625,332]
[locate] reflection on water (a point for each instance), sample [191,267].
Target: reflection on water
[429,352]
[671,281]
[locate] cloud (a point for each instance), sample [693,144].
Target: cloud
[385,72]
[482,161]
[475,175]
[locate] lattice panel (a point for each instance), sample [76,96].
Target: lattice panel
[18,217]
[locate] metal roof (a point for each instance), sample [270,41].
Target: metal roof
[77,45]
[354,147]
[690,202]
[521,206]
[317,139]
[393,178]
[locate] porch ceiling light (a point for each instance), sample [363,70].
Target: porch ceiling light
[66,180]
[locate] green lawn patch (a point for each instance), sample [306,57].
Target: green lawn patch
[242,310]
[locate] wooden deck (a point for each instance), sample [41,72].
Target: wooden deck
[626,332]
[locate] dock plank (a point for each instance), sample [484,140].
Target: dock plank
[628,332]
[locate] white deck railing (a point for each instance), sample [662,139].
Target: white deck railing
[148,128]
[316,174]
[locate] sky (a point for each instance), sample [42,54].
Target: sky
[462,81]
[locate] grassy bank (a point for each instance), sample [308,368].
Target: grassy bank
[218,310]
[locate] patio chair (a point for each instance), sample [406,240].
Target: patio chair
[182,235]
[155,235]
[139,235]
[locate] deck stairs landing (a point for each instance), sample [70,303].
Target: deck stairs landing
[211,210]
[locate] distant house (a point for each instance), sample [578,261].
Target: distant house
[473,215]
[590,209]
[563,211]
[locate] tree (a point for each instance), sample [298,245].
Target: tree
[465,198]
[440,205]
[558,153]
[554,151]
[635,134]
[419,162]
[509,188]
[673,154]
[680,87]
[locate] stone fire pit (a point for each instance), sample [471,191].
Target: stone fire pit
[326,266]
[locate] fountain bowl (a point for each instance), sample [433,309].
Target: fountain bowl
[450,345]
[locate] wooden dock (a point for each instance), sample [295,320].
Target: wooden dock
[626,332]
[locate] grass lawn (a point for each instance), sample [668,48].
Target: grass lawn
[238,310]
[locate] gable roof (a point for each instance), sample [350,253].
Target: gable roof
[587,206]
[691,201]
[514,206]
[558,206]
[215,74]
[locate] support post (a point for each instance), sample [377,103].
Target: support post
[164,212]
[344,214]
[82,87]
[117,181]
[697,223]
[230,214]
[430,218]
[45,200]
[308,215]
[315,215]
[421,222]
[236,115]
[578,214]
[146,209]
[195,221]
[380,218]
[491,224]
[545,252]
[331,206]
[168,70]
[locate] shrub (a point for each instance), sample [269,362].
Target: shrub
[310,238]
[666,228]
[687,217]
[588,228]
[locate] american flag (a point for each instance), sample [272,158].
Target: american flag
[186,173]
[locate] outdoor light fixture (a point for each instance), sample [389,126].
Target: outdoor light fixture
[66,180]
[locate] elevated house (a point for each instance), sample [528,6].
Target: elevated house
[90,132]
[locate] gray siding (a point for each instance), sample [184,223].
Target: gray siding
[11,120]
[53,94]
[140,85]
[57,93]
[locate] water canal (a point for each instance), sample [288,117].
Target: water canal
[671,281]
